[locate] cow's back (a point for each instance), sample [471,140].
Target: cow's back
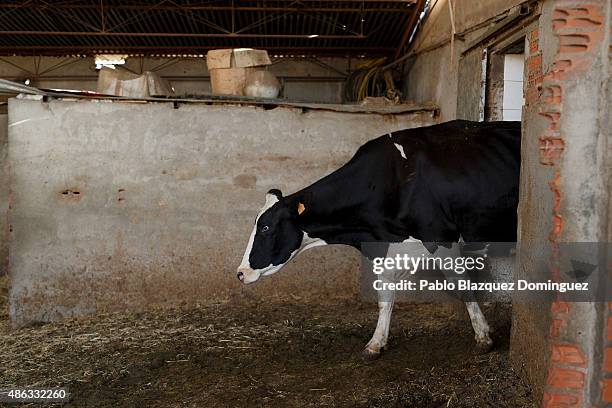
[460,178]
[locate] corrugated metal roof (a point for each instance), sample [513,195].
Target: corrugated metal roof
[312,27]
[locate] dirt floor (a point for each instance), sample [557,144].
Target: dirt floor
[249,354]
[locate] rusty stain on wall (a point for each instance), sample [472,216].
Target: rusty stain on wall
[72,194]
[245,180]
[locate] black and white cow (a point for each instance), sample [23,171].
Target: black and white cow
[442,183]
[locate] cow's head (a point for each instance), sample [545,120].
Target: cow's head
[276,238]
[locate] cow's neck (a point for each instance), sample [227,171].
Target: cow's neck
[334,208]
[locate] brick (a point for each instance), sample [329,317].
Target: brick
[560,307]
[534,78]
[608,359]
[558,400]
[551,148]
[555,326]
[559,69]
[534,62]
[564,378]
[553,117]
[584,16]
[554,94]
[555,188]
[568,354]
[558,223]
[579,43]
[606,392]
[569,43]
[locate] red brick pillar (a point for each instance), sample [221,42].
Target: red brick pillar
[562,348]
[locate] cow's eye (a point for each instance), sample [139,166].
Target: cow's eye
[265,228]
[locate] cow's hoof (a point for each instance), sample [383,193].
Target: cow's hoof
[483,346]
[369,356]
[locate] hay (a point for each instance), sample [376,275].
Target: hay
[248,354]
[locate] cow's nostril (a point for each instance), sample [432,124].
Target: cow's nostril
[240,276]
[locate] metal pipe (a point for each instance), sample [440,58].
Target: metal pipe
[181,49]
[181,35]
[414,18]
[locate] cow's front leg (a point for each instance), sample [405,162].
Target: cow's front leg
[386,299]
[481,328]
[379,340]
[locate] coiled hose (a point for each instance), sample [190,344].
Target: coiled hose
[370,79]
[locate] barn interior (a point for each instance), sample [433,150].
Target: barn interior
[130,178]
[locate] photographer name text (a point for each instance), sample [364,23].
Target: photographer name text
[468,285]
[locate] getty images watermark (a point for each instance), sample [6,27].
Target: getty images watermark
[432,272]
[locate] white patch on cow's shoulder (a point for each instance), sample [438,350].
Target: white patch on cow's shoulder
[401,150]
[390,136]
[309,242]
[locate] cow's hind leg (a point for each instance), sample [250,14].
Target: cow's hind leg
[481,328]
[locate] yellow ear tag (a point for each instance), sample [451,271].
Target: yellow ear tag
[301,208]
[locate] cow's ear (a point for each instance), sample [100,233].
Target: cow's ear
[301,208]
[276,192]
[272,197]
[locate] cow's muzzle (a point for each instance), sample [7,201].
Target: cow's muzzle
[247,275]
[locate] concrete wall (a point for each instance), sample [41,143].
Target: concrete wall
[304,79]
[432,78]
[126,206]
[431,74]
